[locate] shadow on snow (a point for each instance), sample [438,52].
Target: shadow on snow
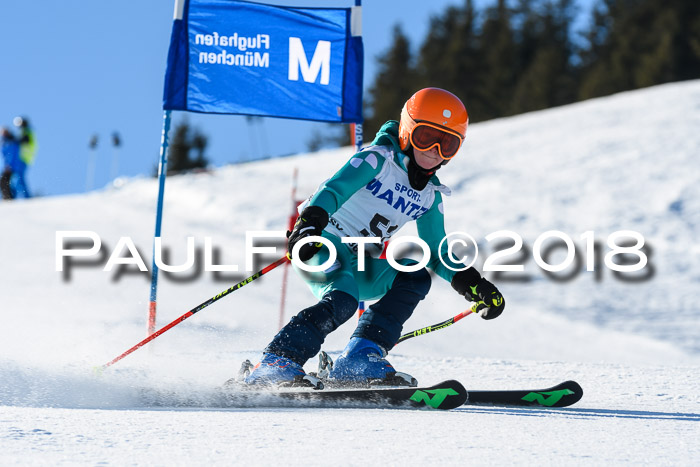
[582,413]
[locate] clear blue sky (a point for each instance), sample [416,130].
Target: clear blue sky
[83,67]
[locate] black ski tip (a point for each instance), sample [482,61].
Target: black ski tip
[562,395]
[576,393]
[447,395]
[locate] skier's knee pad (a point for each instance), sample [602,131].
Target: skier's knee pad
[334,309]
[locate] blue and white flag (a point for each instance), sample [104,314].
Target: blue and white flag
[237,57]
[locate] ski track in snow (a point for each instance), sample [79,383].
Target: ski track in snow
[603,165]
[629,414]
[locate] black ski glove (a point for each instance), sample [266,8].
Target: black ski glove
[310,222]
[475,289]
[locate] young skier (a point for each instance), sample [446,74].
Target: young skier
[374,194]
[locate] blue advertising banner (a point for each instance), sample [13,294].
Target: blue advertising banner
[237,57]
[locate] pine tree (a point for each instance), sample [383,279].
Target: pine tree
[450,58]
[395,82]
[184,143]
[519,57]
[546,76]
[499,53]
[638,43]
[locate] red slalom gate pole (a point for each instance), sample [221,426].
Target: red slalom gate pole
[283,296]
[199,307]
[290,226]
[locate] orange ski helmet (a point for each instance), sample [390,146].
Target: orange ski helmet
[433,117]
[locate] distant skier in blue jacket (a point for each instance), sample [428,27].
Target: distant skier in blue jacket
[11,162]
[27,152]
[374,194]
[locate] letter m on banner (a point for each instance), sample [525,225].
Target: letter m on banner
[236,57]
[320,62]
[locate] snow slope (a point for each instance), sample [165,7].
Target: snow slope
[625,162]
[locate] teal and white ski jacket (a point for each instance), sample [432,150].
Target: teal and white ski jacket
[371,196]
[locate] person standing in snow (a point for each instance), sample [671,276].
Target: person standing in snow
[381,188]
[27,151]
[11,161]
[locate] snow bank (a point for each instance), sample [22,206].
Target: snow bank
[625,162]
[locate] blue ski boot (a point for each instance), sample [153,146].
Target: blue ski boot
[362,363]
[276,371]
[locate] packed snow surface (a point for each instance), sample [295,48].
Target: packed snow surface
[627,162]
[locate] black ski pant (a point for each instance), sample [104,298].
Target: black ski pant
[5,187]
[382,322]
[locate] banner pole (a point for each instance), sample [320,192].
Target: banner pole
[358,140]
[162,169]
[357,127]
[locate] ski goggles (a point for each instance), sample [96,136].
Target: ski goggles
[425,136]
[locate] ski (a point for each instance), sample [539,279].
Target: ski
[443,396]
[561,395]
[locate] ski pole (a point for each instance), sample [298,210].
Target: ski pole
[436,327]
[199,307]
